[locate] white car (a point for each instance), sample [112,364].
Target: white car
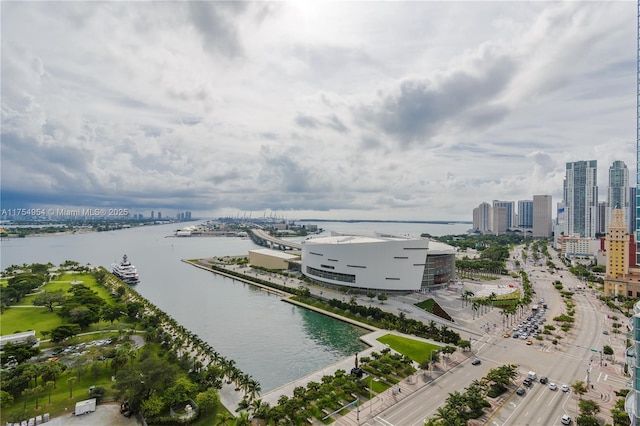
[553,386]
[565,420]
[565,388]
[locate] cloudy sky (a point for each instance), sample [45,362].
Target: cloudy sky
[336,110]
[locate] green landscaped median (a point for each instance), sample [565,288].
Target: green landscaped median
[417,350]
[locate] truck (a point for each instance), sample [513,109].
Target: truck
[532,375]
[86,406]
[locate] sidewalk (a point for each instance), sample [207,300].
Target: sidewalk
[409,386]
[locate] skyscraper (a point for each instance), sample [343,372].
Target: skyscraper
[481,217]
[617,192]
[525,214]
[542,216]
[581,198]
[510,207]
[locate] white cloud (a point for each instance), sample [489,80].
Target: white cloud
[389,110]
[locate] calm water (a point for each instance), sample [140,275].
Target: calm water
[272,340]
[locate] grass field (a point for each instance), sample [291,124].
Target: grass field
[98,373]
[417,350]
[15,320]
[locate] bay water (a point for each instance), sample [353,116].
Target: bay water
[273,341]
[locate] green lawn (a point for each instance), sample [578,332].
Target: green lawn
[98,374]
[15,320]
[417,350]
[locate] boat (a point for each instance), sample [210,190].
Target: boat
[125,271]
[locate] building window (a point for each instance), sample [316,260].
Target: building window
[329,275]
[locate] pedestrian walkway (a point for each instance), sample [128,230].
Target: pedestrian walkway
[371,408]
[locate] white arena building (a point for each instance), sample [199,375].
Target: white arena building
[379,263]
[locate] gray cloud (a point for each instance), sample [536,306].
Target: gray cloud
[420,108]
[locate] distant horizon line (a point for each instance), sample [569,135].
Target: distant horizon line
[440,222]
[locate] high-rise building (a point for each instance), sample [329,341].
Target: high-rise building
[632,400]
[601,229]
[510,207]
[481,217]
[542,216]
[159,215]
[617,243]
[632,211]
[618,192]
[499,220]
[525,214]
[152,214]
[581,198]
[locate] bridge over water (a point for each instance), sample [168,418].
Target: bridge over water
[262,238]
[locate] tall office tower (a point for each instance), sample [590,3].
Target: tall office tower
[510,206]
[159,215]
[542,216]
[188,215]
[617,246]
[632,400]
[632,211]
[481,217]
[618,192]
[152,214]
[525,214]
[498,220]
[581,198]
[601,229]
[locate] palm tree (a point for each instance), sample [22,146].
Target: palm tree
[48,386]
[37,391]
[579,388]
[224,418]
[71,381]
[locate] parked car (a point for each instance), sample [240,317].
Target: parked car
[527,382]
[553,386]
[476,362]
[543,380]
[565,388]
[520,391]
[605,332]
[565,420]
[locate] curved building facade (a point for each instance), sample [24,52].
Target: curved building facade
[378,263]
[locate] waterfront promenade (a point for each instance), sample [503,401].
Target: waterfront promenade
[230,398]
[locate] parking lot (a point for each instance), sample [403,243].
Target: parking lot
[105,415]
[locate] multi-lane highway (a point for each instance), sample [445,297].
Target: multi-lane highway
[576,357]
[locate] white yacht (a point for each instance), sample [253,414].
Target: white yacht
[125,271]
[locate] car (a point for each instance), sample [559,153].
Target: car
[605,332]
[527,382]
[553,386]
[520,391]
[505,335]
[543,380]
[565,388]
[476,362]
[529,342]
[565,420]
[515,335]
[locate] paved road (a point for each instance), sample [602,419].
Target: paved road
[565,363]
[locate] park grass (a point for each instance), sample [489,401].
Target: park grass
[416,350]
[426,305]
[378,386]
[15,320]
[98,374]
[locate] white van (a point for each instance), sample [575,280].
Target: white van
[532,375]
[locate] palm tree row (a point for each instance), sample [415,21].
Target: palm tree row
[461,407]
[193,352]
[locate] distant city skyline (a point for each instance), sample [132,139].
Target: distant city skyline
[328,110]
